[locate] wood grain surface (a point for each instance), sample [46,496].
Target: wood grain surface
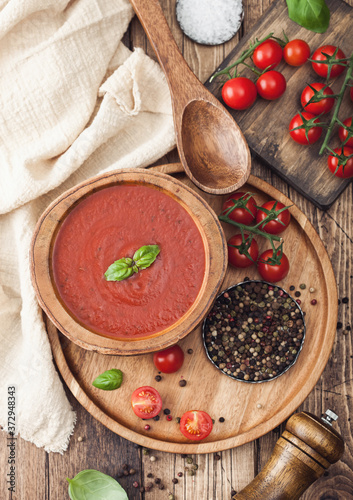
[245,421]
[41,476]
[269,139]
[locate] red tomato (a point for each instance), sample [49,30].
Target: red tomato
[277,225]
[169,360]
[271,85]
[316,108]
[296,52]
[244,215]
[322,69]
[237,259]
[239,93]
[298,135]
[272,273]
[343,172]
[343,133]
[146,402]
[196,425]
[267,55]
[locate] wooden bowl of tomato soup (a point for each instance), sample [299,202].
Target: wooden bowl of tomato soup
[107,219]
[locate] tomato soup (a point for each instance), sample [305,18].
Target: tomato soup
[111,224]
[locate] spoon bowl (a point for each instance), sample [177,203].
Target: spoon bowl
[211,146]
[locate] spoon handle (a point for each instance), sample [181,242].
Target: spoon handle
[179,76]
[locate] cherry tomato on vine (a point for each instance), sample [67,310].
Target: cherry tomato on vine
[267,55]
[237,259]
[277,225]
[239,93]
[146,402]
[342,172]
[323,106]
[169,360]
[322,69]
[244,215]
[271,85]
[296,52]
[272,273]
[196,425]
[298,135]
[343,133]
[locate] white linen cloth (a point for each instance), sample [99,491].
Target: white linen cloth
[74,102]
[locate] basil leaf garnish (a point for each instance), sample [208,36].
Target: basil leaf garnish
[94,485]
[109,380]
[313,15]
[126,267]
[145,256]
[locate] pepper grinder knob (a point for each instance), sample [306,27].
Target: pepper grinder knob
[307,447]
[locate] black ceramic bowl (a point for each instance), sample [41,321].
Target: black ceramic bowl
[254,332]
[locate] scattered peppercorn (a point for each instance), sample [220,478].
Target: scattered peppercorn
[194,467]
[311,289]
[313,302]
[153,458]
[169,418]
[161,486]
[191,472]
[182,383]
[298,301]
[297,294]
[126,472]
[190,351]
[157,480]
[221,419]
[150,474]
[213,421]
[170,496]
[166,411]
[339,325]
[156,418]
[189,460]
[217,457]
[246,278]
[132,472]
[291,288]
[147,427]
[302,286]
[80,439]
[348,327]
[175,481]
[178,420]
[233,492]
[148,488]
[345,300]
[158,378]
[183,455]
[125,467]
[145,451]
[135,484]
[180,474]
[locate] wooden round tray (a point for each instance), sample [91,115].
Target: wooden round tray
[249,410]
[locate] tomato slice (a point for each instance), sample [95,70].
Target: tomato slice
[196,425]
[146,402]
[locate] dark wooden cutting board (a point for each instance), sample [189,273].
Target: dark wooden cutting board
[265,124]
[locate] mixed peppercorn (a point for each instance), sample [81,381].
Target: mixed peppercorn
[254,331]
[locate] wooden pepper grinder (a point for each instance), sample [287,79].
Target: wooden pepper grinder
[307,447]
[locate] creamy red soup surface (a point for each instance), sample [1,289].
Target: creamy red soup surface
[111,224]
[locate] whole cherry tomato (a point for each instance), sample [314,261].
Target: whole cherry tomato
[237,259]
[267,55]
[296,52]
[169,360]
[322,69]
[316,108]
[239,93]
[275,226]
[272,273]
[343,133]
[343,172]
[244,215]
[298,135]
[271,85]
[196,425]
[146,402]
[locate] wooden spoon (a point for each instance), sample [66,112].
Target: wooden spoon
[212,148]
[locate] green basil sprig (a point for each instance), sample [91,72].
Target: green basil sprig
[313,15]
[109,380]
[91,484]
[126,267]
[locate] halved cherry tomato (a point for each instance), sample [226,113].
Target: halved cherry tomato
[237,259]
[272,273]
[343,134]
[343,172]
[244,215]
[271,85]
[239,93]
[316,108]
[277,225]
[196,425]
[267,55]
[169,360]
[296,52]
[146,402]
[298,135]
[322,69]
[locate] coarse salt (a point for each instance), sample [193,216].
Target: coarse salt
[209,22]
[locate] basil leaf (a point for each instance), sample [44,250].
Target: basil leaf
[119,270]
[145,256]
[313,15]
[109,380]
[94,485]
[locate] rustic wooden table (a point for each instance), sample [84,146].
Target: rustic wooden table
[43,476]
